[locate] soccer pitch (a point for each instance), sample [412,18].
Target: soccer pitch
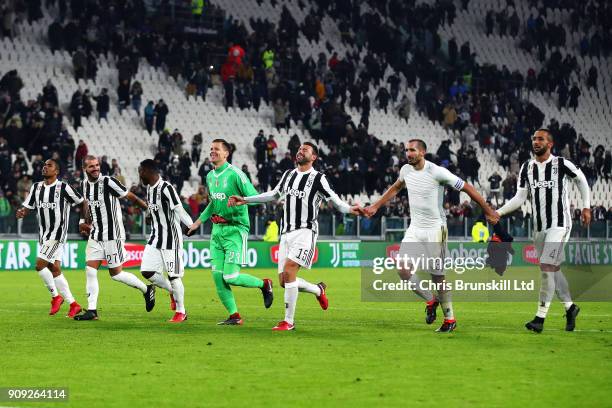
[354,354]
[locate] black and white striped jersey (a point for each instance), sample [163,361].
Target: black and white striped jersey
[103,197]
[53,203]
[546,183]
[166,231]
[303,192]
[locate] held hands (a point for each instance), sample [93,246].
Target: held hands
[585,217]
[193,228]
[369,211]
[492,216]
[235,201]
[357,210]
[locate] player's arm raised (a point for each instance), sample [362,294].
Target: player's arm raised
[386,197]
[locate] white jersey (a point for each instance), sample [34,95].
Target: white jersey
[53,203]
[546,183]
[103,198]
[303,193]
[426,193]
[166,230]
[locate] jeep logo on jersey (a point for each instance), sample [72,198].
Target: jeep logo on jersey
[296,193]
[543,184]
[95,203]
[50,206]
[154,207]
[218,196]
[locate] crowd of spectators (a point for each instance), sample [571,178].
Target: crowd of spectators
[481,105]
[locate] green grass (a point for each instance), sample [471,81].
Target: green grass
[354,354]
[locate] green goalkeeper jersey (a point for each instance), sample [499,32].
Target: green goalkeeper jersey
[222,183]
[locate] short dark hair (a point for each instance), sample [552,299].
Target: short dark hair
[58,166]
[225,144]
[149,164]
[421,143]
[314,147]
[88,158]
[547,130]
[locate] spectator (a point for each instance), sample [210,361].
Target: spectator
[450,116]
[76,108]
[136,94]
[271,148]
[204,169]
[49,94]
[79,65]
[87,106]
[260,144]
[263,176]
[235,54]
[105,168]
[286,163]
[103,104]
[607,166]
[196,148]
[383,97]
[268,58]
[123,94]
[161,111]
[202,81]
[403,109]
[494,187]
[5,213]
[294,145]
[574,95]
[149,116]
[509,186]
[281,119]
[245,170]
[228,75]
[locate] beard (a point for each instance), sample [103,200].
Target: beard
[540,152]
[302,161]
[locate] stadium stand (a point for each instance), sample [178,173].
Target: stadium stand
[478,107]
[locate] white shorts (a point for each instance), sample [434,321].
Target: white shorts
[550,245]
[299,246]
[163,260]
[426,243]
[113,252]
[50,251]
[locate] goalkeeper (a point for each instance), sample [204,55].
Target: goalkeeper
[228,241]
